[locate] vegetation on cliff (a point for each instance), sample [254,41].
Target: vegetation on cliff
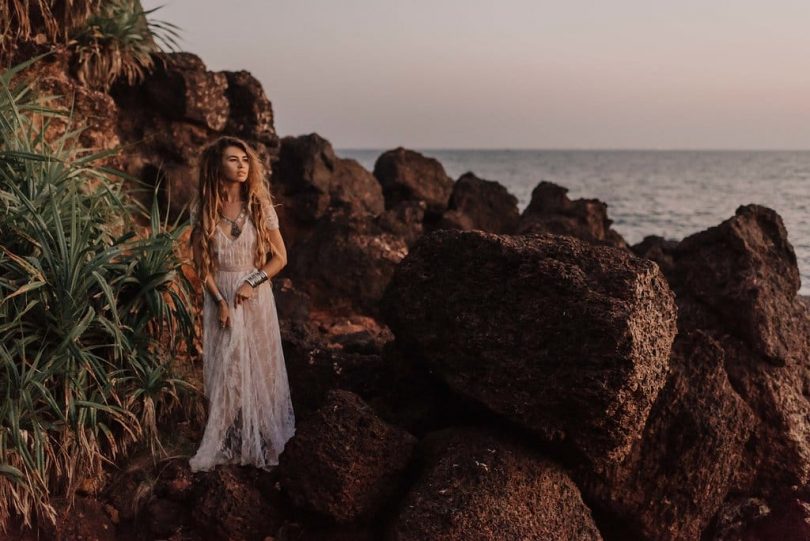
[93,312]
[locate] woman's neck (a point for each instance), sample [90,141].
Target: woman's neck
[231,191]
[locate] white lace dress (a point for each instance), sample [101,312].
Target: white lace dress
[250,413]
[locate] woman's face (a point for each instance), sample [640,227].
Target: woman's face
[235,165]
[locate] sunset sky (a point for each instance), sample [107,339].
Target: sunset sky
[518,73]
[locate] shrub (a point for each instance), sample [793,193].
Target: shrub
[118,42]
[92,314]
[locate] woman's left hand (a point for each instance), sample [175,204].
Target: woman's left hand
[244,293]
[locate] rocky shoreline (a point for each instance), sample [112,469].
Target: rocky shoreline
[462,370]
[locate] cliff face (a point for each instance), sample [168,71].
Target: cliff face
[499,374]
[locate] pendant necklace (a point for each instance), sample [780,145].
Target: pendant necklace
[236,230]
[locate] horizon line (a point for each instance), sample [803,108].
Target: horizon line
[576,149]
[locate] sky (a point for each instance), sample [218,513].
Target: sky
[441,74]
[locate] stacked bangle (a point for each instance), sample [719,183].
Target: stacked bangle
[256,278]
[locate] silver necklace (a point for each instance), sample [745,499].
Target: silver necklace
[236,229]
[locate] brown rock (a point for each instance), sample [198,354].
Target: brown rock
[346,262]
[752,519]
[480,204]
[745,270]
[476,485]
[251,113]
[778,455]
[404,220]
[738,281]
[344,462]
[681,469]
[551,211]
[661,251]
[182,89]
[85,519]
[407,175]
[228,503]
[313,179]
[568,339]
[94,112]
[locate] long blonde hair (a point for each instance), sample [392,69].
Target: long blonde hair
[208,205]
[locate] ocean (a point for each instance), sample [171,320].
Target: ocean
[668,193]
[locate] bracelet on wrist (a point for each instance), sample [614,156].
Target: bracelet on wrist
[218,297]
[256,278]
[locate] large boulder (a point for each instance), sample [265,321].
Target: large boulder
[551,211]
[777,459]
[481,204]
[407,175]
[316,182]
[745,270]
[565,338]
[181,88]
[477,485]
[344,462]
[232,502]
[344,264]
[738,282]
[251,113]
[680,470]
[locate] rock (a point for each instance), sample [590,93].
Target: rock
[346,262]
[738,281]
[745,270]
[228,503]
[312,179]
[476,485]
[680,470]
[777,458]
[344,462]
[404,220]
[314,372]
[565,338]
[753,520]
[165,517]
[661,251]
[251,113]
[407,175]
[93,112]
[86,519]
[291,303]
[551,211]
[480,204]
[181,88]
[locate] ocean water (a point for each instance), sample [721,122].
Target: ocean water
[668,193]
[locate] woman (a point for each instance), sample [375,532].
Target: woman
[237,250]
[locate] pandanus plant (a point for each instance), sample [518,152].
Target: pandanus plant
[92,312]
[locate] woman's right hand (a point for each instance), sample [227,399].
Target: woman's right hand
[224,315]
